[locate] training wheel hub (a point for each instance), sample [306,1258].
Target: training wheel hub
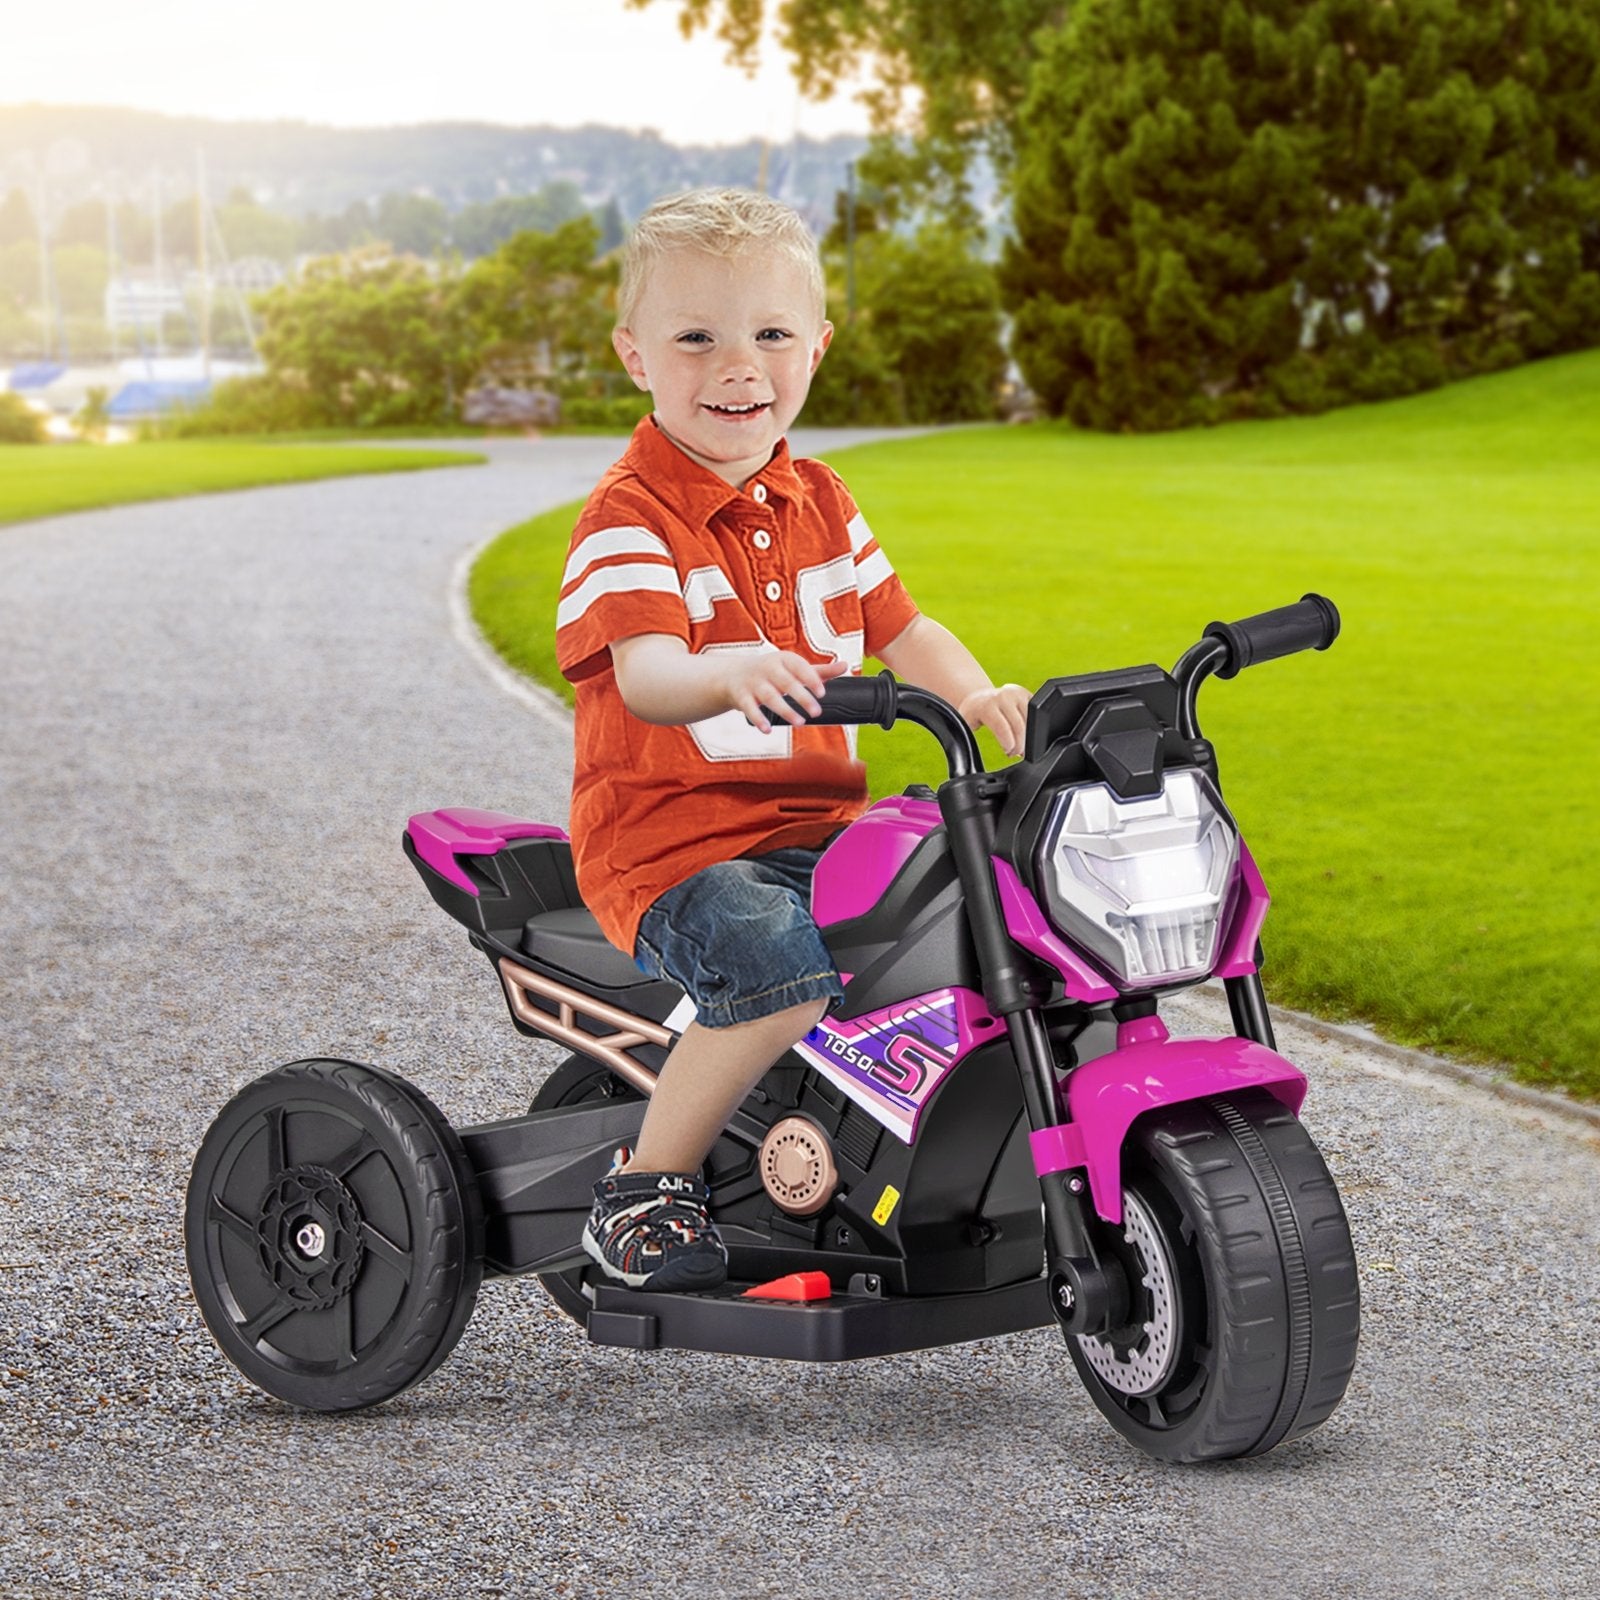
[308,1234]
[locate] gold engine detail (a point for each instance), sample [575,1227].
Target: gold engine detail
[797,1166]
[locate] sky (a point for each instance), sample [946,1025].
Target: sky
[367,63]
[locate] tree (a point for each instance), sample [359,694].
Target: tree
[249,229]
[479,229]
[19,422]
[855,387]
[351,228]
[613,229]
[414,224]
[93,418]
[80,273]
[371,339]
[934,309]
[19,275]
[922,342]
[1239,208]
[84,223]
[950,73]
[541,302]
[368,339]
[1245,209]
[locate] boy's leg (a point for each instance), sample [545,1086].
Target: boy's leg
[708,1073]
[724,935]
[651,1227]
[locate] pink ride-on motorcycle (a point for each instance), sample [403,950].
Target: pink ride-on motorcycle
[991,1132]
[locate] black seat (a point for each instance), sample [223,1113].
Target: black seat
[572,941]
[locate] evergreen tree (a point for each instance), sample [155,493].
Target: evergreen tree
[1247,208]
[613,229]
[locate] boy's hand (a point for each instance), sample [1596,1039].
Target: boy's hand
[758,684]
[1003,711]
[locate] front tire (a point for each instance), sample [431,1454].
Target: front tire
[1245,1311]
[334,1234]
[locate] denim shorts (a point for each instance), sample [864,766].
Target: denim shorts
[739,939]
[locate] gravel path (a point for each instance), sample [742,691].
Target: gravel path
[218,713]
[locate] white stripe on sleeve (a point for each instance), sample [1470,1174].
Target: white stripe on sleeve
[612,542]
[638,578]
[860,534]
[871,572]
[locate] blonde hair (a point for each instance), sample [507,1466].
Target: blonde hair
[721,222]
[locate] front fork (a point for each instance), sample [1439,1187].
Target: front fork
[1088,1289]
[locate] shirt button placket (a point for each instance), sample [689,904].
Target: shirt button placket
[777,624]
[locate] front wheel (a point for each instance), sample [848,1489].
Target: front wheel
[1245,1313]
[334,1233]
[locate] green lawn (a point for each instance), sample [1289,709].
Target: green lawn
[1424,798]
[43,480]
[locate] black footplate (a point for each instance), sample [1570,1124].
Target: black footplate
[843,1327]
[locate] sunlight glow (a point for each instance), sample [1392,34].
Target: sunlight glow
[367,63]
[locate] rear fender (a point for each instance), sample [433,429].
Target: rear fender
[439,837]
[1107,1095]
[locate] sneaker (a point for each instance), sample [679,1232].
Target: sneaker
[651,1230]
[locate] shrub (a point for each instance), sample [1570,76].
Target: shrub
[94,416]
[19,422]
[260,403]
[619,411]
[855,386]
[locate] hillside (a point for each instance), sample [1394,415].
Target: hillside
[300,167]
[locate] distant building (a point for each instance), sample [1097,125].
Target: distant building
[247,275]
[141,300]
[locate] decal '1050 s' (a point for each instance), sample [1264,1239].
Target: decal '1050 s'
[890,1061]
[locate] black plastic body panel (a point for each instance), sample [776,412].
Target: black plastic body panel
[846,1327]
[968,1218]
[1076,732]
[537,1174]
[914,940]
[1058,707]
[520,880]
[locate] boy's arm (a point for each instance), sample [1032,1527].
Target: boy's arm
[661,682]
[926,653]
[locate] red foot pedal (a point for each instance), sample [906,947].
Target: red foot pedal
[796,1286]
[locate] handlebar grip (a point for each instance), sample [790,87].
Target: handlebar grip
[856,701]
[1311,624]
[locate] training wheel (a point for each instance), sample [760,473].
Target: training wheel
[334,1234]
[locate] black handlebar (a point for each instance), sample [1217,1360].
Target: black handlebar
[1226,650]
[859,702]
[881,701]
[1311,624]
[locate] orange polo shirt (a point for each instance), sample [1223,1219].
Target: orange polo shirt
[666,546]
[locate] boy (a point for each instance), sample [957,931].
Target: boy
[709,577]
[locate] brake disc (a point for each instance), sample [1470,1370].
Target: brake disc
[1138,1359]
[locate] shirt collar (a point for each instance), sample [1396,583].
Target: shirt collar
[696,493]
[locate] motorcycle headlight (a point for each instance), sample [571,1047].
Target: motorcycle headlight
[1141,884]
